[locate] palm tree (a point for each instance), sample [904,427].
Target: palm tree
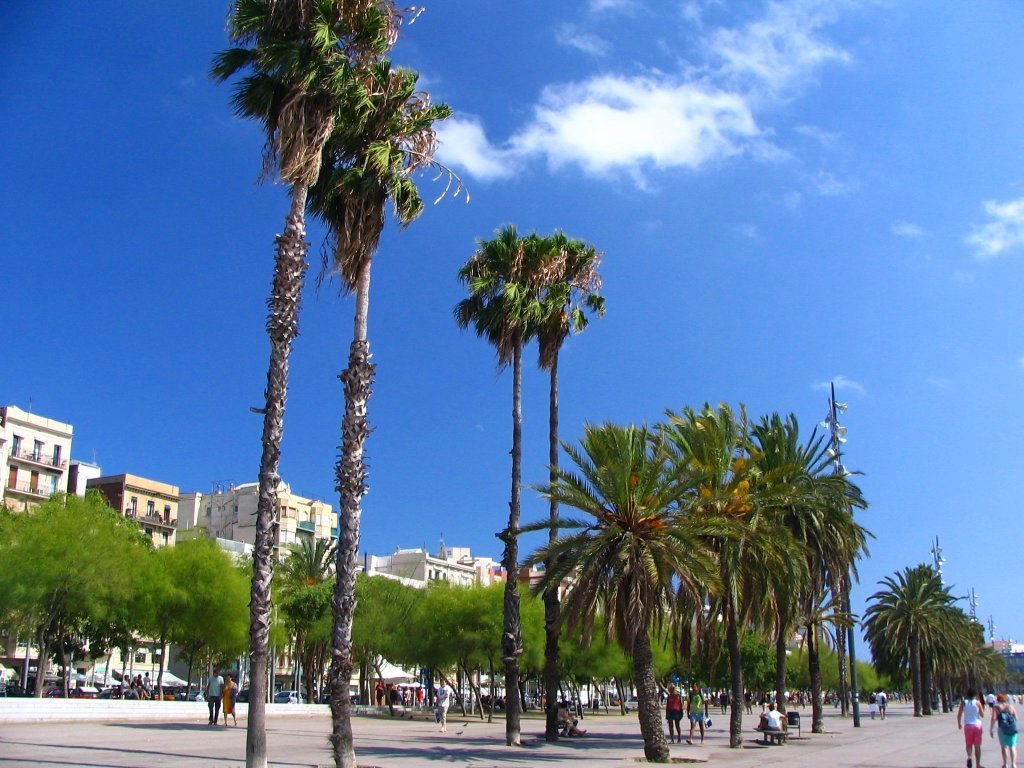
[906,614]
[566,300]
[503,278]
[824,621]
[713,457]
[292,52]
[628,553]
[308,562]
[384,134]
[300,577]
[815,506]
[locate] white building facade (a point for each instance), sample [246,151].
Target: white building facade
[34,453]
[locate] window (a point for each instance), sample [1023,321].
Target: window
[151,508]
[133,507]
[167,538]
[16,445]
[140,657]
[37,450]
[167,513]
[12,478]
[53,484]
[56,455]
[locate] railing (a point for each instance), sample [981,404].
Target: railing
[28,488]
[154,518]
[38,458]
[305,525]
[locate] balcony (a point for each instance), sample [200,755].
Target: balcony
[154,519]
[27,489]
[38,460]
[308,527]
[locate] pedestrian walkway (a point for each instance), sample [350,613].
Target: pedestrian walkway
[299,740]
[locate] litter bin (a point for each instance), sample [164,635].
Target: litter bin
[793,721]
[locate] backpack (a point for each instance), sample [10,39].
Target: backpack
[1007,721]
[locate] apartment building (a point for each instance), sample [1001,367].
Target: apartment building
[34,453]
[154,505]
[229,512]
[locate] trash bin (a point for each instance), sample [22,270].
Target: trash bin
[793,720]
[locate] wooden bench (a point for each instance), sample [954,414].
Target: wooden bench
[773,737]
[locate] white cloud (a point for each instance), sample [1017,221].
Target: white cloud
[748,231]
[906,229]
[842,384]
[828,185]
[1003,232]
[778,51]
[629,124]
[463,145]
[570,36]
[612,122]
[599,6]
[826,139]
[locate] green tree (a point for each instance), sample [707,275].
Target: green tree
[815,505]
[627,553]
[306,602]
[381,628]
[503,278]
[58,573]
[906,614]
[755,553]
[570,293]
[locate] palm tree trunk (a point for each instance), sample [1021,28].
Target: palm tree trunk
[511,640]
[551,604]
[841,658]
[282,328]
[927,683]
[780,665]
[814,672]
[732,639]
[648,709]
[350,478]
[915,672]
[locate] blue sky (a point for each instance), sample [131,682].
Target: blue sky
[786,194]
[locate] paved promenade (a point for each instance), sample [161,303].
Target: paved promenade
[298,739]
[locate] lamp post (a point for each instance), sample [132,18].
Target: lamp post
[938,559]
[837,436]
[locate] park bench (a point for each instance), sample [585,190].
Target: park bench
[772,736]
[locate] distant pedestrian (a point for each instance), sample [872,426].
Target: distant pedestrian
[723,701]
[674,714]
[969,719]
[696,710]
[228,695]
[444,700]
[881,698]
[873,705]
[214,684]
[1005,717]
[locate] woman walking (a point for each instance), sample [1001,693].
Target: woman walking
[969,719]
[674,713]
[695,709]
[1005,717]
[228,694]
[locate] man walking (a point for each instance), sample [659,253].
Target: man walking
[214,685]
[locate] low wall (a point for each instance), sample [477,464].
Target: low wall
[15,709]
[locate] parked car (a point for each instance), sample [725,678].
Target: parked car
[85,692]
[289,697]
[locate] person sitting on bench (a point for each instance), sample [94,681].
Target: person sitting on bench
[772,721]
[567,722]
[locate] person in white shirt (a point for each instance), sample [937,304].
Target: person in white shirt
[969,719]
[444,700]
[214,684]
[771,720]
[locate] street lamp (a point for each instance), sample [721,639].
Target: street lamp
[938,559]
[837,436]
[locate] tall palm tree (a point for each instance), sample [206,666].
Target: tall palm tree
[627,554]
[815,506]
[293,54]
[307,563]
[713,453]
[566,300]
[906,614]
[384,134]
[504,281]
